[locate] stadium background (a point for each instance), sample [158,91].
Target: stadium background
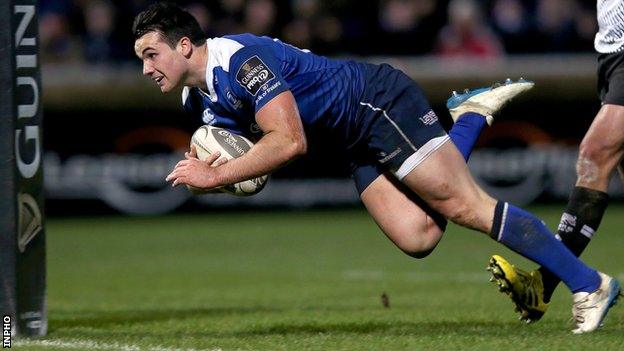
[93,82]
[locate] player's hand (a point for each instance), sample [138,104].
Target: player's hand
[192,153]
[196,173]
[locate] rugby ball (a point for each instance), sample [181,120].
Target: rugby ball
[209,139]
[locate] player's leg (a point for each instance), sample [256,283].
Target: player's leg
[438,174]
[465,132]
[400,214]
[442,179]
[403,132]
[601,149]
[600,152]
[403,217]
[473,109]
[620,169]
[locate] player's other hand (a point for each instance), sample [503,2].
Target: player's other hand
[196,173]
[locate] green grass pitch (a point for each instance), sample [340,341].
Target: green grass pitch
[285,280]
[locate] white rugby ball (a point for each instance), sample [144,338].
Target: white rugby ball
[209,139]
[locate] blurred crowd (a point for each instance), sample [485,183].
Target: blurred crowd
[99,31]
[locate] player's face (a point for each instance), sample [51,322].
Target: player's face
[165,65]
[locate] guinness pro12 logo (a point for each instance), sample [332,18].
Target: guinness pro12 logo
[253,74]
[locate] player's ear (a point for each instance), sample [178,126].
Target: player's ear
[185,46]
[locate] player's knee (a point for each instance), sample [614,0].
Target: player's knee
[419,254]
[423,241]
[595,160]
[599,152]
[421,251]
[591,153]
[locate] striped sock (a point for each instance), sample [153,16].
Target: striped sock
[527,235]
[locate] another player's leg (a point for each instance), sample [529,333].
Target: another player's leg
[442,179]
[600,152]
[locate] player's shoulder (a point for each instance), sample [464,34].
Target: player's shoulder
[230,51]
[221,50]
[248,40]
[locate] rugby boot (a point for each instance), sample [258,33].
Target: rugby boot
[486,101]
[590,309]
[525,289]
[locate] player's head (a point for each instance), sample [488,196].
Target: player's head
[164,38]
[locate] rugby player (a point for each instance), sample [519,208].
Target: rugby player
[409,176]
[600,152]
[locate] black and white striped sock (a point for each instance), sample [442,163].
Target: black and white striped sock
[578,224]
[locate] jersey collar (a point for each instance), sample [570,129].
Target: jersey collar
[220,50]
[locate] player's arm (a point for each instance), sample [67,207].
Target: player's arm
[284,140]
[255,78]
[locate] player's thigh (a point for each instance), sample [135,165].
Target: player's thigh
[400,215]
[444,181]
[396,119]
[602,146]
[403,133]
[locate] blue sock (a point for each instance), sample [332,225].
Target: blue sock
[527,235]
[466,131]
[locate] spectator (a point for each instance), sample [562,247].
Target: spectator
[408,26]
[359,27]
[202,15]
[260,17]
[99,44]
[555,25]
[510,19]
[381,27]
[298,33]
[230,17]
[55,41]
[466,34]
[327,34]
[586,27]
[313,29]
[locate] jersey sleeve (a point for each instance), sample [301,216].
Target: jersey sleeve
[255,75]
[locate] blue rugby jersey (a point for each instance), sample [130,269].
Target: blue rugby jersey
[245,71]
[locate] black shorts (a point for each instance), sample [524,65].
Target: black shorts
[397,128]
[611,78]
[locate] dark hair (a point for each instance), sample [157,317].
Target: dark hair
[170,21]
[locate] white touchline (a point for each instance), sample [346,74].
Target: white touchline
[96,345]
